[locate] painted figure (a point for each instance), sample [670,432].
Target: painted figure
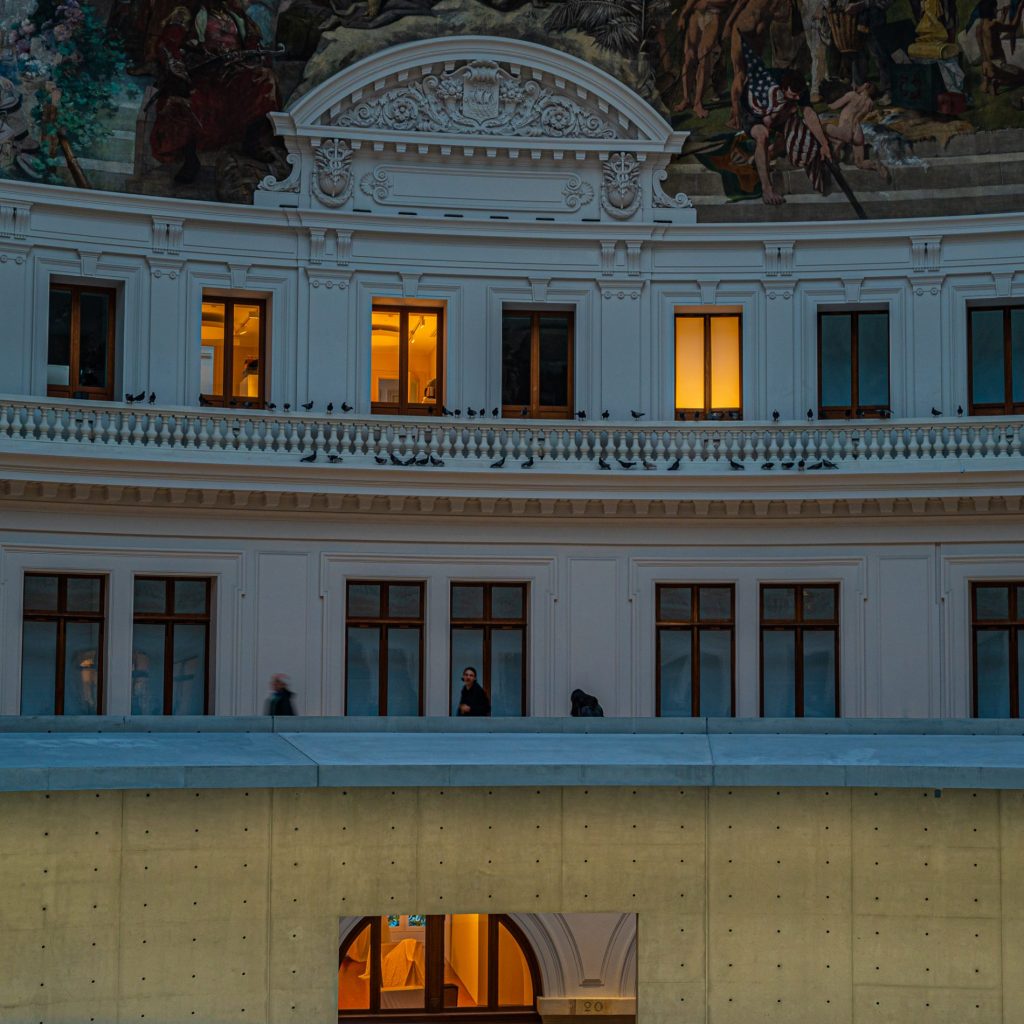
[701,23]
[747,29]
[990,31]
[139,25]
[854,106]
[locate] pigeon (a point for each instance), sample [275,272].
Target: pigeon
[603,462]
[787,465]
[203,401]
[287,406]
[330,408]
[674,465]
[936,412]
[637,415]
[767,465]
[500,463]
[829,464]
[959,410]
[528,464]
[524,411]
[307,406]
[129,398]
[421,460]
[736,465]
[445,411]
[734,415]
[696,414]
[152,397]
[775,415]
[435,461]
[581,414]
[458,412]
[814,465]
[494,413]
[470,412]
[714,415]
[810,414]
[380,461]
[625,463]
[345,407]
[800,465]
[649,465]
[886,414]
[334,458]
[271,405]
[605,414]
[233,403]
[395,460]
[309,458]
[248,405]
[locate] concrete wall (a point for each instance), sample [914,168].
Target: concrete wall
[753,905]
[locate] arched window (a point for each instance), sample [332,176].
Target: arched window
[402,965]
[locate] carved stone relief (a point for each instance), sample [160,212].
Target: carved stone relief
[577,192]
[377,184]
[620,186]
[332,173]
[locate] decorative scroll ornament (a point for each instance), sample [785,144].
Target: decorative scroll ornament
[288,184]
[620,186]
[332,173]
[478,98]
[662,200]
[577,192]
[377,183]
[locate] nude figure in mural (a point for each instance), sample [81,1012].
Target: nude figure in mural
[701,22]
[853,106]
[990,33]
[749,23]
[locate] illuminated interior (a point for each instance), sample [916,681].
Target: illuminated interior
[708,374]
[230,355]
[404,357]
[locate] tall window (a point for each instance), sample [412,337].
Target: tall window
[406,360]
[696,628]
[384,649]
[997,627]
[800,650]
[536,364]
[995,342]
[489,634]
[709,375]
[80,346]
[232,367]
[853,364]
[171,646]
[62,645]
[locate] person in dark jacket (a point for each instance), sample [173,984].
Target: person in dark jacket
[584,705]
[280,702]
[473,701]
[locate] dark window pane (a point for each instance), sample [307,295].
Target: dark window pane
[554,361]
[873,358]
[84,594]
[1020,604]
[38,667]
[676,604]
[1017,354]
[819,674]
[1020,671]
[987,368]
[506,602]
[715,673]
[58,359]
[715,604]
[836,359]
[403,672]
[403,602]
[148,668]
[363,600]
[992,648]
[81,668]
[676,672]
[150,597]
[515,359]
[41,593]
[362,671]
[94,339]
[992,602]
[507,653]
[779,671]
[779,603]
[467,602]
[467,652]
[819,603]
[190,597]
[188,668]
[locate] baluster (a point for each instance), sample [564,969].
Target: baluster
[150,432]
[899,448]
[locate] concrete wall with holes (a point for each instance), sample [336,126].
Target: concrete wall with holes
[793,905]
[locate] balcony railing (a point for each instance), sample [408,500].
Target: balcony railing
[478,444]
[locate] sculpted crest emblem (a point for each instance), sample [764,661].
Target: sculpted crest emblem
[332,173]
[620,186]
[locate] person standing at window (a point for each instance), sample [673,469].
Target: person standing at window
[473,701]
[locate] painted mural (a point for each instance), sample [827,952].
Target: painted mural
[796,108]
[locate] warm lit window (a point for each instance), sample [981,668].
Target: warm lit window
[853,364]
[384,649]
[695,650]
[62,645]
[406,364]
[171,646]
[232,358]
[536,364]
[489,634]
[800,650]
[709,377]
[997,613]
[995,343]
[80,346]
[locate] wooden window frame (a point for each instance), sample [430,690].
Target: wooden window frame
[169,619]
[62,617]
[433,1001]
[855,410]
[1013,624]
[694,626]
[535,410]
[228,400]
[382,622]
[724,412]
[1008,406]
[72,389]
[489,624]
[403,407]
[799,626]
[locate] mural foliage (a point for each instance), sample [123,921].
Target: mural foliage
[803,108]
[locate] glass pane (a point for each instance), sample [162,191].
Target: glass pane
[150,596]
[245,361]
[84,594]
[362,671]
[465,960]
[1017,354]
[363,600]
[41,593]
[675,664]
[1020,672]
[403,601]
[689,362]
[190,597]
[507,672]
[211,358]
[506,602]
[38,667]
[1020,604]
[148,669]
[93,339]
[403,671]
[515,359]
[676,605]
[836,359]
[81,668]
[384,340]
[819,674]
[515,986]
[554,361]
[58,359]
[402,967]
[715,604]
[988,381]
[715,673]
[467,652]
[819,603]
[778,603]
[992,602]
[873,359]
[779,672]
[423,345]
[354,973]
[992,648]
[188,670]
[725,362]
[467,602]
